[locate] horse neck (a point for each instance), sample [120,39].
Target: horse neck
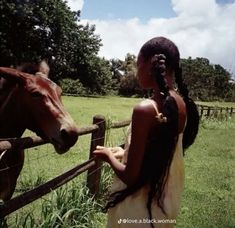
[11,114]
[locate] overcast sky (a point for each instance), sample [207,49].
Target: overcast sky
[201,28]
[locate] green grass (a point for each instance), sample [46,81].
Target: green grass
[209,191]
[208,199]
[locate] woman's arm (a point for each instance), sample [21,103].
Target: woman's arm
[142,121]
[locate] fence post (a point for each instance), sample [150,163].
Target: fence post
[97,138]
[202,109]
[208,111]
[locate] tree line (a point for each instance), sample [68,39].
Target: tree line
[34,30]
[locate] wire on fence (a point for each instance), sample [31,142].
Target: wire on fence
[29,196]
[93,166]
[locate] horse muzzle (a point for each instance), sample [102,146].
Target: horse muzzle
[68,137]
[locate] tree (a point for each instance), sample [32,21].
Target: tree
[129,84]
[116,68]
[129,65]
[221,81]
[206,81]
[34,29]
[31,30]
[97,75]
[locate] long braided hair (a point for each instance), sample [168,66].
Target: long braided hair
[160,147]
[192,125]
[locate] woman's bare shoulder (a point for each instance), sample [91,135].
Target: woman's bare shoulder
[145,111]
[144,106]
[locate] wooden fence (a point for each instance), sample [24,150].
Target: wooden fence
[97,129]
[215,111]
[93,166]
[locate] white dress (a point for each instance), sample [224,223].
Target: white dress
[132,211]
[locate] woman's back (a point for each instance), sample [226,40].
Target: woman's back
[134,206]
[152,174]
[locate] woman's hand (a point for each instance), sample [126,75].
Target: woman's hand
[105,153]
[118,152]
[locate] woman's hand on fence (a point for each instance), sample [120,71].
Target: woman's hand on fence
[103,153]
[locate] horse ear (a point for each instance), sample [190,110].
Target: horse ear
[43,69]
[12,74]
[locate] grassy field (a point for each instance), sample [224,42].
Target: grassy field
[208,199]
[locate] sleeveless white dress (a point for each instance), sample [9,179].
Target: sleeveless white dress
[132,211]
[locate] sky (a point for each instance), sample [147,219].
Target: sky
[202,28]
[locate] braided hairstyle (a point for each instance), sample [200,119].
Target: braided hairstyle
[155,167]
[163,49]
[192,125]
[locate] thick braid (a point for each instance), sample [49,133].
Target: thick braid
[191,128]
[168,131]
[181,85]
[159,71]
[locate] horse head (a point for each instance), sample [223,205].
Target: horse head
[36,103]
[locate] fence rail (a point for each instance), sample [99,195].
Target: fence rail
[215,111]
[36,193]
[93,166]
[30,142]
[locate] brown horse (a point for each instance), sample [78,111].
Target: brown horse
[30,102]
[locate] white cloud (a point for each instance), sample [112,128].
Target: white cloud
[75,4]
[200,29]
[195,8]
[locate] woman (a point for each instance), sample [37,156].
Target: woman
[151,174]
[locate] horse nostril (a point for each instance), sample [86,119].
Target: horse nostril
[69,136]
[64,134]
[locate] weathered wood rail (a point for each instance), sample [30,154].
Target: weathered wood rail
[93,166]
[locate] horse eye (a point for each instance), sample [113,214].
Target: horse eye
[36,94]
